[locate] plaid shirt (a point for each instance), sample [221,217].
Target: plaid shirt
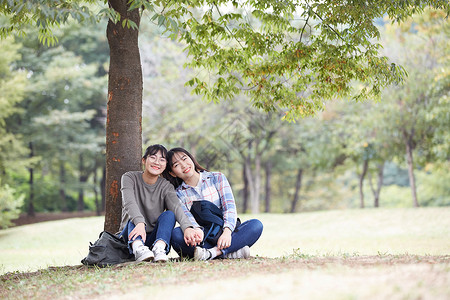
[214,187]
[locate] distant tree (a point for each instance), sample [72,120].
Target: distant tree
[12,90]
[359,133]
[254,145]
[310,145]
[57,81]
[416,111]
[12,150]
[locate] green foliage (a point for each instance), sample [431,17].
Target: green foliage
[12,90]
[418,110]
[434,188]
[10,204]
[289,56]
[61,116]
[45,15]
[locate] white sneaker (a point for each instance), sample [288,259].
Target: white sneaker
[160,254]
[143,253]
[244,252]
[202,254]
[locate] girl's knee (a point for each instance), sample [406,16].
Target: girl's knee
[257,226]
[167,216]
[177,234]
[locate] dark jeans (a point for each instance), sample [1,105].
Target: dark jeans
[162,231]
[246,235]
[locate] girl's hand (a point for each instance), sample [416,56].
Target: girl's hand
[193,237]
[139,230]
[190,237]
[199,235]
[224,240]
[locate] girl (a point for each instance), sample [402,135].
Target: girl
[194,183]
[149,209]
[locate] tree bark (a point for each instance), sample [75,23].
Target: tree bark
[410,162]
[124,109]
[298,186]
[31,212]
[361,182]
[268,169]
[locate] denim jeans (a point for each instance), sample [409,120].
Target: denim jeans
[162,231]
[245,235]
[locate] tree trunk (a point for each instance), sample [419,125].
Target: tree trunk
[257,184]
[298,186]
[62,183]
[80,203]
[250,181]
[376,192]
[124,109]
[245,189]
[31,212]
[410,162]
[83,177]
[361,182]
[268,169]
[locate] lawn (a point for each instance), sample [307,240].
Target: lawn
[347,254]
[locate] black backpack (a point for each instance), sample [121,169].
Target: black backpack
[208,215]
[108,250]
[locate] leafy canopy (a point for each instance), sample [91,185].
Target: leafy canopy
[44,14]
[287,55]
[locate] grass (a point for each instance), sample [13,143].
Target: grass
[349,254]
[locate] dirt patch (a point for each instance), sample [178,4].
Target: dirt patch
[356,277]
[25,219]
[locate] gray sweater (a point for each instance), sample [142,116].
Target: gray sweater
[142,202]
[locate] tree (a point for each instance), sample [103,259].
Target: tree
[68,139]
[12,86]
[252,142]
[360,132]
[56,81]
[304,66]
[12,89]
[311,145]
[411,109]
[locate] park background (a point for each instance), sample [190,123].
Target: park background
[377,158]
[387,153]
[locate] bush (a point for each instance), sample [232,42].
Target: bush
[9,205]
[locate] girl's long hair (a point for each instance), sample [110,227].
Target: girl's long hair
[170,154]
